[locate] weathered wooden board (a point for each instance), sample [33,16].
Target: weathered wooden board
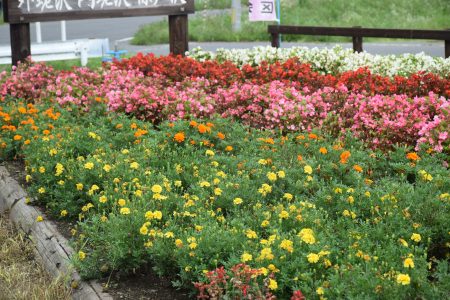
[25,11]
[51,247]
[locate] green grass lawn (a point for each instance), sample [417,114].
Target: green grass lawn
[414,14]
[65,64]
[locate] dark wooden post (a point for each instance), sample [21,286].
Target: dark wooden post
[178,34]
[357,42]
[275,39]
[20,42]
[447,49]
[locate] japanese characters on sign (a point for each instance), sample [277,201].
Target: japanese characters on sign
[25,11]
[42,6]
[262,10]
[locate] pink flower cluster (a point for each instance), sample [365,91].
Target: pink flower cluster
[380,120]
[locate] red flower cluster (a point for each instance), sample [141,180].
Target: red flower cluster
[177,68]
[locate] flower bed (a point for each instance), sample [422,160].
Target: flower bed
[335,60]
[249,213]
[169,88]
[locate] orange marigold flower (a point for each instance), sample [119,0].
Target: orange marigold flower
[299,157]
[98,99]
[27,142]
[193,124]
[140,132]
[22,110]
[202,128]
[210,124]
[119,126]
[357,168]
[345,156]
[171,125]
[46,132]
[17,137]
[192,142]
[228,148]
[133,126]
[179,137]
[323,150]
[412,156]
[220,135]
[313,136]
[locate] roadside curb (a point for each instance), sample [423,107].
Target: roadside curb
[50,245]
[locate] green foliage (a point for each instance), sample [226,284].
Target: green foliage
[188,197]
[414,14]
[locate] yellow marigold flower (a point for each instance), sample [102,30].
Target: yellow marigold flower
[265,223]
[125,211]
[313,258]
[59,169]
[287,245]
[106,168]
[81,255]
[246,257]
[103,199]
[272,176]
[63,213]
[39,219]
[41,190]
[178,243]
[103,218]
[41,170]
[28,178]
[143,230]
[308,169]
[157,215]
[205,184]
[79,186]
[121,202]
[288,196]
[416,237]
[403,242]
[403,279]
[157,189]
[263,271]
[193,245]
[307,236]
[89,165]
[251,234]
[262,162]
[283,214]
[52,152]
[408,263]
[273,285]
[217,191]
[281,174]
[320,291]
[134,165]
[209,152]
[237,201]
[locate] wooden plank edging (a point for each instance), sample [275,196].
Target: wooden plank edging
[51,247]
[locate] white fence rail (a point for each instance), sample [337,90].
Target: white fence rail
[82,49]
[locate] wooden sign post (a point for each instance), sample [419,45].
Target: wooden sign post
[19,14]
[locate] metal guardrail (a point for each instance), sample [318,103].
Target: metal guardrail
[357,34]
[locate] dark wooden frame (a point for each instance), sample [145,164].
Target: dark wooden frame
[357,34]
[20,23]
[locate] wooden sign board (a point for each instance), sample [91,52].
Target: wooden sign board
[19,14]
[26,11]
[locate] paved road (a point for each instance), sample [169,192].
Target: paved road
[431,48]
